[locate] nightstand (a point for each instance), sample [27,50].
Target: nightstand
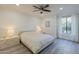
[8,42]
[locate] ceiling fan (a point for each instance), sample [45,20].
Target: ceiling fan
[42,8]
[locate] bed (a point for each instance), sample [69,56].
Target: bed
[36,41]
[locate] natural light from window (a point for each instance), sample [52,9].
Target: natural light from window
[66,25]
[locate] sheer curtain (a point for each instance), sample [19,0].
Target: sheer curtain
[74,34]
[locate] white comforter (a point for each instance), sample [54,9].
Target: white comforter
[36,41]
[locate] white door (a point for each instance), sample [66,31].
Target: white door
[68,28]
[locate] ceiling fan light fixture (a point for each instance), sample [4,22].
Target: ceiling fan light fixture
[41,12]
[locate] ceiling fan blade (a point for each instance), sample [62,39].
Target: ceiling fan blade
[46,6]
[36,10]
[46,10]
[36,7]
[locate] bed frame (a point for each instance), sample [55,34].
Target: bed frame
[27,47]
[38,52]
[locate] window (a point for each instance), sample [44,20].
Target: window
[66,25]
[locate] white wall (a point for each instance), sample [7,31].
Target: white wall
[23,22]
[52,30]
[20,22]
[22,18]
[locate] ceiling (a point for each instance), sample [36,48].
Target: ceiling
[68,9]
